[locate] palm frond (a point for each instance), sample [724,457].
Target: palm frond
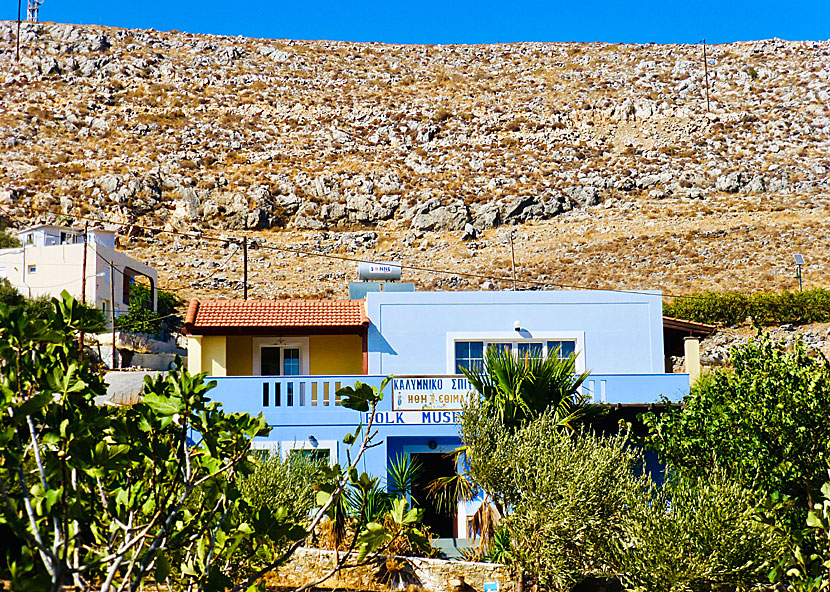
[484,522]
[447,492]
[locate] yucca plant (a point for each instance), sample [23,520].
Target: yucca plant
[403,475]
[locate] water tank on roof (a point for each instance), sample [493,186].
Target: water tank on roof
[381,271]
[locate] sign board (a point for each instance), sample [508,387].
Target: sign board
[429,393]
[387,418]
[491,587]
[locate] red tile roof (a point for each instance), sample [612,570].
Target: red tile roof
[278,314]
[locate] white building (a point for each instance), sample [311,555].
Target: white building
[51,260]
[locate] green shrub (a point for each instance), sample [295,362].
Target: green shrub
[806,565]
[695,534]
[142,319]
[578,506]
[9,294]
[41,306]
[289,484]
[764,308]
[773,406]
[8,241]
[568,497]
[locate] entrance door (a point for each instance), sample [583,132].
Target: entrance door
[441,522]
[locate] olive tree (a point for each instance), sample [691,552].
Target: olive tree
[566,495]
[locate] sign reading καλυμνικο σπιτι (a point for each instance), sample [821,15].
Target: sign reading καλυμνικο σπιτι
[444,393]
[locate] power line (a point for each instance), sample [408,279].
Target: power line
[111,265]
[199,236]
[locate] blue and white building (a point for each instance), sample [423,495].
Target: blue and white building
[287,359]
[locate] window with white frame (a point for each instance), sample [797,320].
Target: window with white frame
[467,350]
[264,448]
[317,450]
[276,356]
[468,354]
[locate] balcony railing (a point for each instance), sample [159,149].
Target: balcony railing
[301,399]
[627,389]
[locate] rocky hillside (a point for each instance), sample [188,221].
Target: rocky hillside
[602,160]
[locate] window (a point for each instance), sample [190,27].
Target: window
[470,354]
[312,449]
[565,347]
[33,269]
[279,361]
[530,349]
[262,449]
[313,454]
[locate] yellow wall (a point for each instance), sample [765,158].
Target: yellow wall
[335,354]
[240,355]
[194,354]
[233,355]
[214,358]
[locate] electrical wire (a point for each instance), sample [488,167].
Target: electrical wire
[115,309]
[310,253]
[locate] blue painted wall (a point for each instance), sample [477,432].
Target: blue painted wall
[623,347]
[302,422]
[623,332]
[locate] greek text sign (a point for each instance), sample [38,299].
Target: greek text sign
[439,393]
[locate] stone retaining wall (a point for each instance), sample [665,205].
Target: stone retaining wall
[396,573]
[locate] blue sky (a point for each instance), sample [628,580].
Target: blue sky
[459,21]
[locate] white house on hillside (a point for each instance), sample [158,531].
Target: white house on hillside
[51,261]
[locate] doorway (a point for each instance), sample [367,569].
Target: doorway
[442,522]
[279,361]
[279,356]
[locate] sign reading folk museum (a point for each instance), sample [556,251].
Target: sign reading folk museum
[420,393]
[384,418]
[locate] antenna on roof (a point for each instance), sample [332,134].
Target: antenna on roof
[32,9]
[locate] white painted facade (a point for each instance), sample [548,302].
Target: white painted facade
[51,261]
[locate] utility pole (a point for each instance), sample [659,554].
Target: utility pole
[112,315]
[245,267]
[83,288]
[513,259]
[19,2]
[706,74]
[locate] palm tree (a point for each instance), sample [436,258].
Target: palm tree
[520,388]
